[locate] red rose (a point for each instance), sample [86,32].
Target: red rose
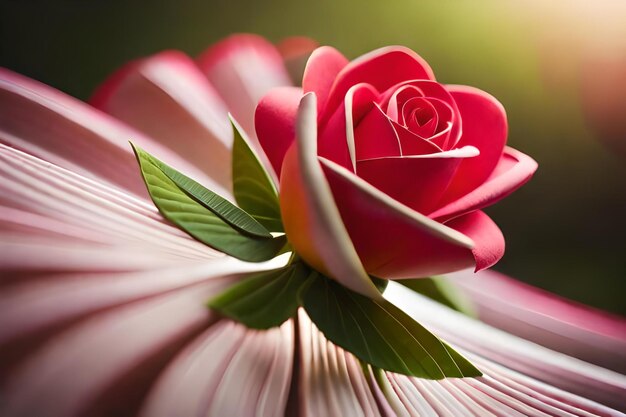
[409,163]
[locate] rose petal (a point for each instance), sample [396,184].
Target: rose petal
[397,100]
[168,98]
[243,68]
[433,90]
[375,137]
[392,240]
[309,214]
[382,69]
[274,120]
[438,130]
[487,237]
[358,102]
[513,171]
[321,70]
[67,132]
[485,127]
[416,181]
[412,144]
[420,117]
[336,138]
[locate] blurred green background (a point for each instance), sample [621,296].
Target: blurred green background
[558,68]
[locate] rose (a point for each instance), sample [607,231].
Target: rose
[409,163]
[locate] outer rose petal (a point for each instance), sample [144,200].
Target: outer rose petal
[321,70]
[513,171]
[309,214]
[243,68]
[392,240]
[274,120]
[416,181]
[167,97]
[485,127]
[487,237]
[382,69]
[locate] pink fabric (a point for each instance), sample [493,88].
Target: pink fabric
[542,317]
[168,98]
[60,129]
[295,51]
[243,68]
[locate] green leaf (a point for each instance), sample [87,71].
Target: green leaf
[253,188]
[443,291]
[464,365]
[264,300]
[380,283]
[380,334]
[227,211]
[184,210]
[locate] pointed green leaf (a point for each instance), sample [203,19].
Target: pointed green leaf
[182,209]
[380,333]
[443,291]
[227,211]
[464,365]
[264,300]
[253,188]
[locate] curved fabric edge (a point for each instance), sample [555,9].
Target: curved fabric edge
[564,379]
[295,51]
[167,97]
[546,318]
[243,68]
[84,139]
